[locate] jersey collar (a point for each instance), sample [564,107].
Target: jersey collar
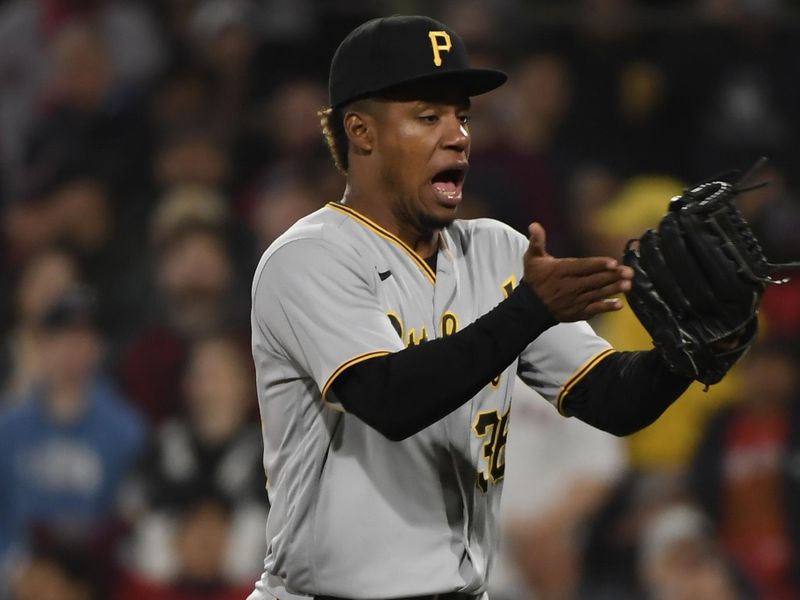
[429,273]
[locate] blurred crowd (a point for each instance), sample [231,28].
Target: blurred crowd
[150,151]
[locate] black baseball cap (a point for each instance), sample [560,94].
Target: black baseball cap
[389,52]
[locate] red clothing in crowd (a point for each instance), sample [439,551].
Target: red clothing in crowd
[753,525]
[135,588]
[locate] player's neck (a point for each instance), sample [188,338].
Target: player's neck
[423,241]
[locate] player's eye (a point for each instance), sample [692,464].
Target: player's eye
[464,119]
[429,118]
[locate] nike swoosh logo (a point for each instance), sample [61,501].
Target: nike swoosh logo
[384,275]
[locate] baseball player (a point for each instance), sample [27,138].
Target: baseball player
[387,336]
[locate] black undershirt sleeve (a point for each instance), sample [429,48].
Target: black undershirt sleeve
[624,392]
[402,393]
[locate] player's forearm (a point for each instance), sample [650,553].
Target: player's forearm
[402,393]
[625,392]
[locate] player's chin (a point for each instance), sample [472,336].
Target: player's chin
[432,220]
[439,212]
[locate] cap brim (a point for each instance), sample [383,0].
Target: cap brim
[473,82]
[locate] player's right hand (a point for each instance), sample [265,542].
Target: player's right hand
[573,289]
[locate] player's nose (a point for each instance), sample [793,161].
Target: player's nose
[455,135]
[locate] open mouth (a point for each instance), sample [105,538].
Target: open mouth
[447,184]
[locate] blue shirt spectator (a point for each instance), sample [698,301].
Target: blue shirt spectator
[64,473]
[64,452]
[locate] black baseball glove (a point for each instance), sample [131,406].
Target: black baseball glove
[699,280]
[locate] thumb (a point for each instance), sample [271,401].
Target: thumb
[536,245]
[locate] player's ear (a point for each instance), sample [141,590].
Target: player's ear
[360,130]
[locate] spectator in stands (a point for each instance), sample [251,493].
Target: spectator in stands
[679,559]
[223,36]
[183,93]
[591,187]
[529,158]
[289,120]
[285,142]
[215,445]
[64,452]
[745,472]
[277,204]
[187,204]
[28,33]
[191,154]
[89,122]
[75,209]
[71,207]
[774,212]
[196,296]
[203,533]
[611,542]
[742,80]
[44,278]
[621,99]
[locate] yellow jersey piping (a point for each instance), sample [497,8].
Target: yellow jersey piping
[580,374]
[346,365]
[387,235]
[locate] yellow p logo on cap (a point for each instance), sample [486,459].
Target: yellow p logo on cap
[440,42]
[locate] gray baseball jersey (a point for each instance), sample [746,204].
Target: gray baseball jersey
[354,514]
